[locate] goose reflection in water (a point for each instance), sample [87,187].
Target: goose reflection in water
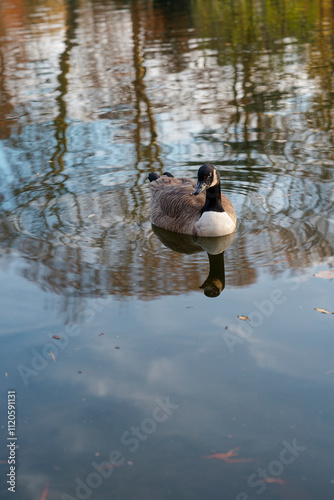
[215,247]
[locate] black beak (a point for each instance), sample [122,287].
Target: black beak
[200,187]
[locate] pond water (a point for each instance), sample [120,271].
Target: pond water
[134,376]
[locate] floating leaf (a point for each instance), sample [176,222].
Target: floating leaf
[45,492]
[275,480]
[109,466]
[56,337]
[117,347]
[223,456]
[326,275]
[324,311]
[53,356]
[227,457]
[244,318]
[277,261]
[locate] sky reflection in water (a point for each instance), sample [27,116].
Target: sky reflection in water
[94,95]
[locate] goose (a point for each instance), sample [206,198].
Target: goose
[179,205]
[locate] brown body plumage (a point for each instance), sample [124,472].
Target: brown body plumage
[175,206]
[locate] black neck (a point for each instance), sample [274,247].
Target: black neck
[213,200]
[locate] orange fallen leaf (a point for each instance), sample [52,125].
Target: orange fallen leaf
[223,456]
[277,261]
[326,275]
[244,318]
[53,356]
[275,480]
[56,337]
[45,492]
[324,311]
[109,466]
[289,194]
[226,457]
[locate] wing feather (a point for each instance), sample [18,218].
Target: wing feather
[174,206]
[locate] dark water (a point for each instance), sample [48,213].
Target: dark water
[150,372]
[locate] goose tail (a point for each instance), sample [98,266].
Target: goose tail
[154,176]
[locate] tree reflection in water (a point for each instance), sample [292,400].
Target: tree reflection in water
[96,94]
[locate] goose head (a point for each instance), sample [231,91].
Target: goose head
[207,178]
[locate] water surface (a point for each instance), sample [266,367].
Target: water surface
[153,369]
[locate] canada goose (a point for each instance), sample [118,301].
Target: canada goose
[178,205]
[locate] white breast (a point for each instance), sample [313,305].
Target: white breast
[214,224]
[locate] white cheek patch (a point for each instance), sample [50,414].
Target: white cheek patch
[215,179]
[214,224]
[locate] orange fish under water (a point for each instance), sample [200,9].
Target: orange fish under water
[226,457]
